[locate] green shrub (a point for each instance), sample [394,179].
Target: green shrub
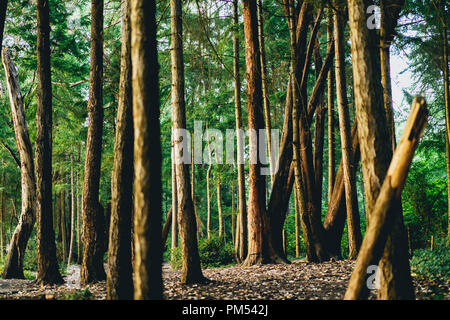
[78,295]
[213,252]
[432,264]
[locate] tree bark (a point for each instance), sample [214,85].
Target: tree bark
[174,242]
[376,151]
[147,152]
[242,221]
[48,272]
[119,282]
[351,200]
[331,138]
[266,100]
[260,248]
[16,250]
[387,204]
[92,268]
[191,271]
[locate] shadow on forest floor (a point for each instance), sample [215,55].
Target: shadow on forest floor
[297,281]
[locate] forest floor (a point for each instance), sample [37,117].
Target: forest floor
[298,281]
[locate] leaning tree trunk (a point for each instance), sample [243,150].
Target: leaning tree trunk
[242,221]
[17,246]
[351,200]
[191,271]
[147,153]
[92,268]
[376,150]
[47,263]
[119,283]
[387,204]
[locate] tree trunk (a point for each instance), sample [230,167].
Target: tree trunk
[119,283]
[297,227]
[16,250]
[47,263]
[191,271]
[219,208]
[147,153]
[376,151]
[331,139]
[260,248]
[174,243]
[386,208]
[351,199]
[92,268]
[242,221]
[266,100]
[72,213]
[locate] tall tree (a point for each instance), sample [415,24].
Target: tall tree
[331,139]
[92,268]
[191,271]
[120,270]
[260,248]
[242,205]
[376,150]
[14,261]
[48,272]
[147,152]
[351,200]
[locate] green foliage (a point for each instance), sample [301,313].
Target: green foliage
[433,264]
[214,253]
[78,295]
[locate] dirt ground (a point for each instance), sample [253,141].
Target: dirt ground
[298,281]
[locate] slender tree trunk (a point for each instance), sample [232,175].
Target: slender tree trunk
[92,268]
[376,151]
[48,272]
[147,153]
[72,212]
[266,100]
[79,241]
[174,243]
[297,227]
[119,283]
[208,191]
[16,250]
[351,200]
[233,218]
[219,208]
[242,221]
[331,139]
[191,271]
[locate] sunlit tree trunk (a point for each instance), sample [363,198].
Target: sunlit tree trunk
[191,271]
[351,200]
[147,265]
[331,142]
[16,250]
[92,268]
[242,205]
[376,150]
[260,248]
[119,283]
[48,272]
